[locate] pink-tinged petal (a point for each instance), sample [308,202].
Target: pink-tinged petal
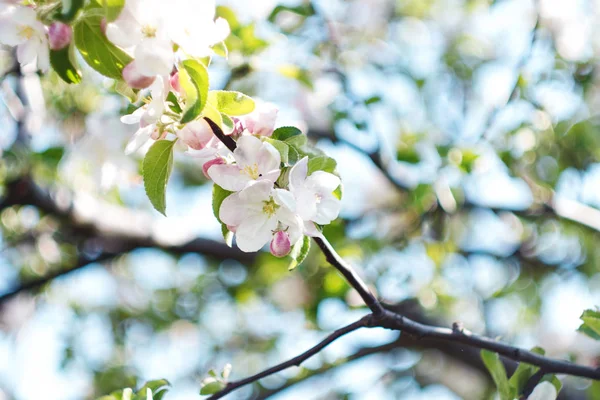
[293,223]
[125,31]
[323,182]
[280,244]
[254,232]
[206,166]
[229,177]
[268,159]
[310,229]
[174,81]
[328,209]
[154,57]
[233,210]
[284,198]
[298,174]
[262,120]
[139,139]
[134,79]
[196,134]
[27,52]
[247,150]
[306,204]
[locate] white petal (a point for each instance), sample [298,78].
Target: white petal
[284,198]
[221,30]
[43,57]
[233,210]
[139,139]
[255,232]
[154,57]
[323,182]
[298,174]
[543,391]
[268,159]
[134,117]
[229,177]
[257,192]
[293,222]
[327,210]
[247,149]
[9,33]
[125,31]
[27,51]
[306,204]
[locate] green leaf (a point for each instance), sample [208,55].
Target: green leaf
[212,387]
[229,15]
[285,132]
[281,147]
[408,155]
[304,10]
[231,103]
[68,10]
[593,391]
[112,8]
[296,141]
[219,194]
[227,235]
[372,100]
[96,50]
[227,123]
[156,169]
[321,163]
[299,252]
[173,103]
[555,381]
[591,324]
[193,78]
[213,114]
[498,373]
[63,62]
[126,91]
[220,49]
[158,387]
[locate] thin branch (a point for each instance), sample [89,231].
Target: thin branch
[351,276]
[296,361]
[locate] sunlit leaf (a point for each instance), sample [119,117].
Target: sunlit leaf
[156,170]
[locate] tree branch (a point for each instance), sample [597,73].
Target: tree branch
[296,361]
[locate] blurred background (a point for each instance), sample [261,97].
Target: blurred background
[467,139]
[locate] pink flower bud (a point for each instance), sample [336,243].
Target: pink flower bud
[59,35]
[280,245]
[238,127]
[208,164]
[134,78]
[175,82]
[196,134]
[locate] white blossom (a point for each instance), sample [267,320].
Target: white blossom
[258,212]
[147,116]
[314,194]
[20,27]
[142,27]
[255,161]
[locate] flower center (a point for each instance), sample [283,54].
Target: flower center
[318,197]
[149,31]
[270,207]
[251,171]
[25,31]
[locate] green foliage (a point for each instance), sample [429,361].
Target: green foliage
[96,50]
[156,170]
[281,147]
[231,103]
[218,195]
[285,132]
[63,62]
[591,324]
[524,371]
[68,10]
[157,388]
[321,163]
[194,80]
[299,252]
[496,368]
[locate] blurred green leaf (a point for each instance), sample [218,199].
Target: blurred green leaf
[63,62]
[69,9]
[299,252]
[321,163]
[285,132]
[591,324]
[496,368]
[231,103]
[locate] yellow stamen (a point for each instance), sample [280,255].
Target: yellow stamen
[251,171]
[25,31]
[149,31]
[270,207]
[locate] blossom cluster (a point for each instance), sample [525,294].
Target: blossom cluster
[162,51]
